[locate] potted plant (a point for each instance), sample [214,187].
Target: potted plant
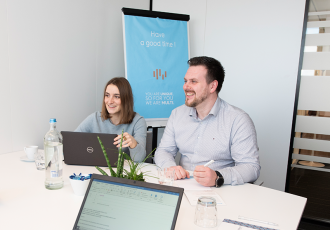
[134,172]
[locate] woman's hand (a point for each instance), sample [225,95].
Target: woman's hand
[128,141]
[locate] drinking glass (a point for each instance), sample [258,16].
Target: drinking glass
[206,212]
[166,176]
[39,159]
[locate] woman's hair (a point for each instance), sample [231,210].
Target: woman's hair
[126,96]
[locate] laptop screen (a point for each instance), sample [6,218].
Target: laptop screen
[112,205]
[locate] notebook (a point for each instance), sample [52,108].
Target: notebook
[84,149]
[121,204]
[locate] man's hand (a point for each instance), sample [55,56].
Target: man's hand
[180,173]
[205,176]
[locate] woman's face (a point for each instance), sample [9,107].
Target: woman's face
[112,100]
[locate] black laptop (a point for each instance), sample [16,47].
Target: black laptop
[84,149]
[122,204]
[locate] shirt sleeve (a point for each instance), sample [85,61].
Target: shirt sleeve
[167,149]
[86,125]
[140,135]
[244,151]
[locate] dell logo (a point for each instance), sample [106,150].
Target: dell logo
[90,149]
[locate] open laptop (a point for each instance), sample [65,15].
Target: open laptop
[121,204]
[84,149]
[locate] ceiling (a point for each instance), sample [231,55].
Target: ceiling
[318,6]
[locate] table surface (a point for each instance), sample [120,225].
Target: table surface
[25,203]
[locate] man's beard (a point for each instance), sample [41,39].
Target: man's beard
[196,101]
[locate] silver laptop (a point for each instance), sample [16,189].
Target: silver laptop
[122,204]
[84,149]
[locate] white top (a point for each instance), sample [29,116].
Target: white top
[26,204]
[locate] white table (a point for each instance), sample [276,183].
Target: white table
[25,203]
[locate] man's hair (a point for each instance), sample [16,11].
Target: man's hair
[215,71]
[126,96]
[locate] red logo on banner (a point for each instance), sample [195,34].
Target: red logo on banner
[158,72]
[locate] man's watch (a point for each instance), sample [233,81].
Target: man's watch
[219,180]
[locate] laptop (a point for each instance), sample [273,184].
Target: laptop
[121,204]
[84,149]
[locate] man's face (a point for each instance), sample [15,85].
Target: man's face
[195,86]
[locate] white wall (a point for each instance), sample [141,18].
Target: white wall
[258,43]
[110,57]
[55,57]
[5,118]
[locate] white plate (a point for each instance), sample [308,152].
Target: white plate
[24,158]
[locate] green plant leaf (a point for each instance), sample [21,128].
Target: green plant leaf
[149,155]
[134,173]
[101,171]
[106,157]
[120,165]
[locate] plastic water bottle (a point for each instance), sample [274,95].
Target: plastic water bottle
[53,147]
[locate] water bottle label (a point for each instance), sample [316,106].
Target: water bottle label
[55,173]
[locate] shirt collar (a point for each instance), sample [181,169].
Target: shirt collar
[216,107]
[214,111]
[193,113]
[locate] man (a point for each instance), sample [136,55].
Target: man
[208,128]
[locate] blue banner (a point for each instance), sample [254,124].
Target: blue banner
[156,63]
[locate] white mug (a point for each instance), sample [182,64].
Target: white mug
[30,151]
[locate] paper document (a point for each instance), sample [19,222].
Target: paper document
[229,224]
[193,190]
[193,195]
[190,184]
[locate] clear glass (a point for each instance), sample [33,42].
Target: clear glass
[39,159]
[166,176]
[53,148]
[206,212]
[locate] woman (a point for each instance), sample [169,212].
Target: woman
[117,114]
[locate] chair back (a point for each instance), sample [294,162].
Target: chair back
[149,147]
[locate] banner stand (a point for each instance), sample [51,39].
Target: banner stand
[156,48]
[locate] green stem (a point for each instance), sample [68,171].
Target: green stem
[120,165]
[106,158]
[101,171]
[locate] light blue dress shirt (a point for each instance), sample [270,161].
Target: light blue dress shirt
[226,135]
